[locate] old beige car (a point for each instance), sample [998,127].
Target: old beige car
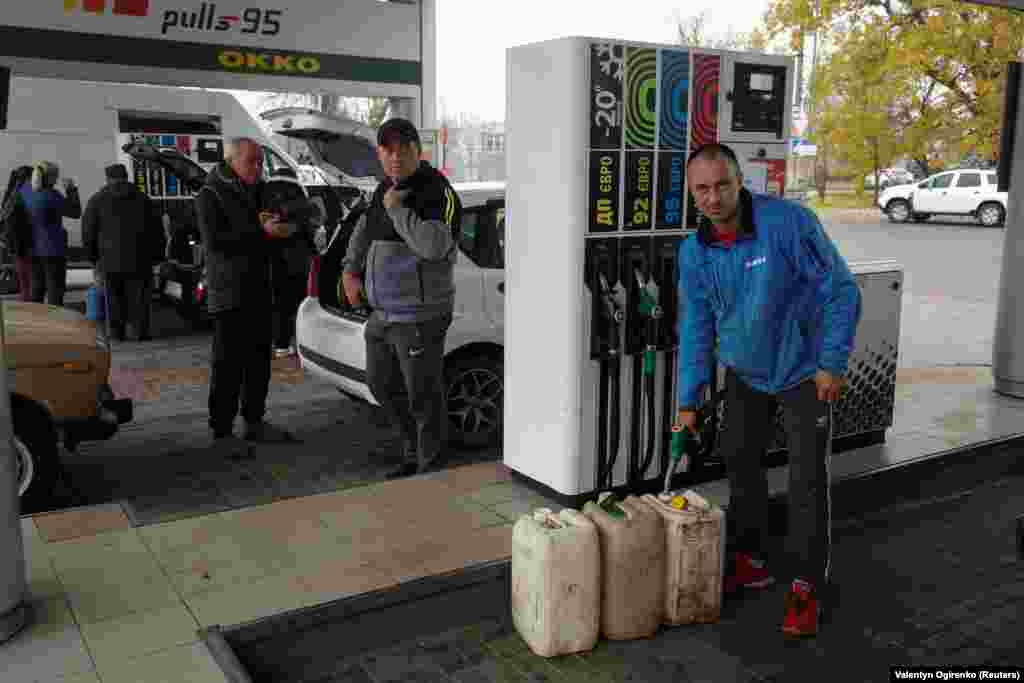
[58,369]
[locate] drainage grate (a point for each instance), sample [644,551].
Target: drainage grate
[422,630]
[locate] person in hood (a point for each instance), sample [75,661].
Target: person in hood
[238,238]
[285,197]
[47,207]
[19,231]
[762,276]
[123,235]
[403,250]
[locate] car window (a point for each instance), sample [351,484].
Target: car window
[482,235]
[992,178]
[942,181]
[969,180]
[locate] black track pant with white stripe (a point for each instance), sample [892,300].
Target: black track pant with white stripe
[749,425]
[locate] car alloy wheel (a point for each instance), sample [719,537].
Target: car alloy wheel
[474,398]
[899,211]
[25,468]
[990,215]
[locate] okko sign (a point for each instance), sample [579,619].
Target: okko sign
[639,122]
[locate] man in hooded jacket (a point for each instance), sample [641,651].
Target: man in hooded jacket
[123,235]
[239,238]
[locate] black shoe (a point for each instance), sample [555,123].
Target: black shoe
[264,432]
[406,469]
[230,446]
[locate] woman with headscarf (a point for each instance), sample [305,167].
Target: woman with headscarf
[47,208]
[19,238]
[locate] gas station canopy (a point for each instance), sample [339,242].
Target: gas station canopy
[356,48]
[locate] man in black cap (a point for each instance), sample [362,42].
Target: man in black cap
[123,234]
[403,250]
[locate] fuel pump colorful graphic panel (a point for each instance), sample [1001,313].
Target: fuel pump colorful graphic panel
[674,84]
[704,129]
[641,97]
[607,68]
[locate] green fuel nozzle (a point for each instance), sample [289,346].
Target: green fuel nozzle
[683,445]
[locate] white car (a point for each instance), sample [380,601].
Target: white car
[329,333]
[967,192]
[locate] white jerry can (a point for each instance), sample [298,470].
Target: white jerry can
[556,582]
[632,568]
[695,545]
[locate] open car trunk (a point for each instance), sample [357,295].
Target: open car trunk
[343,147]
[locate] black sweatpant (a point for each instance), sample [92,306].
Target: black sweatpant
[241,367]
[404,370]
[129,302]
[749,425]
[288,295]
[49,279]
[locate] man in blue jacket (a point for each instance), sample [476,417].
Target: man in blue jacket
[764,276]
[402,253]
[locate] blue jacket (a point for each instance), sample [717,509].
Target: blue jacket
[782,300]
[46,210]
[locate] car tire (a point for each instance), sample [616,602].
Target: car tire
[920,217]
[36,453]
[474,387]
[898,210]
[991,214]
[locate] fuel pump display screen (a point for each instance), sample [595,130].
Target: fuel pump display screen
[759,99]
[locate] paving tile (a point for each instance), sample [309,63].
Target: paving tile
[191,663]
[110,549]
[29,530]
[335,579]
[94,600]
[491,671]
[473,477]
[177,501]
[405,662]
[40,574]
[50,647]
[66,525]
[139,634]
[262,598]
[512,510]
[499,493]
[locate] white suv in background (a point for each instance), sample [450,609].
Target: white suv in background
[966,192]
[329,333]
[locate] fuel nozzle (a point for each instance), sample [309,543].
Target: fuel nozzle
[614,314]
[684,447]
[652,311]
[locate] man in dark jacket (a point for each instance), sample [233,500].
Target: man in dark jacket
[403,248]
[289,267]
[238,238]
[123,235]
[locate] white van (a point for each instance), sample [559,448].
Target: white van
[329,333]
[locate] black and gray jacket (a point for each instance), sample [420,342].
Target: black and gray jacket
[407,255]
[237,250]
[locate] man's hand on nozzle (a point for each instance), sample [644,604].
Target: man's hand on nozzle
[353,285]
[830,386]
[687,418]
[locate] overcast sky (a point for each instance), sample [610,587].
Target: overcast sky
[472,36]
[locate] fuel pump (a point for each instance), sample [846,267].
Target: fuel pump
[643,319]
[666,274]
[605,346]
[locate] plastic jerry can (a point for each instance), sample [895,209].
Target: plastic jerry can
[632,567]
[695,547]
[556,582]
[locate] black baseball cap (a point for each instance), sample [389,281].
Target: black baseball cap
[401,130]
[116,172]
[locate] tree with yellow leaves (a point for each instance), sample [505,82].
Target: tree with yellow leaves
[905,77]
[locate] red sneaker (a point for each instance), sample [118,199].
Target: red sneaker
[747,572]
[802,610]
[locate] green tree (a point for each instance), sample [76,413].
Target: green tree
[378,111]
[935,73]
